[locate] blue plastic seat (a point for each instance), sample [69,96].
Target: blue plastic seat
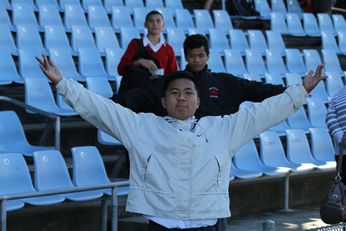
[183,19]
[312,59]
[12,136]
[154,3]
[176,38]
[127,34]
[293,78]
[218,40]
[257,41]
[244,174]
[108,4]
[6,40]
[310,25]
[105,39]
[329,42]
[87,3]
[63,3]
[167,18]
[238,41]
[275,63]
[100,86]
[8,70]
[51,173]
[273,78]
[278,23]
[48,2]
[278,6]
[90,63]
[5,4]
[342,41]
[64,60]
[275,41]
[203,19]
[176,4]
[113,57]
[222,20]
[134,3]
[23,14]
[339,22]
[105,139]
[97,17]
[334,83]
[215,62]
[55,37]
[255,63]
[28,67]
[320,92]
[74,16]
[192,31]
[299,120]
[49,15]
[321,145]
[5,19]
[331,61]
[294,25]
[293,6]
[28,37]
[234,62]
[263,8]
[317,112]
[82,38]
[325,23]
[298,150]
[295,62]
[121,17]
[272,153]
[38,93]
[139,14]
[247,158]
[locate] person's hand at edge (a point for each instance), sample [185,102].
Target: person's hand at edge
[50,69]
[313,78]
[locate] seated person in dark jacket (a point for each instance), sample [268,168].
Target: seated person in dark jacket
[220,93]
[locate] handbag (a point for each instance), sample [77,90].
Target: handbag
[333,208]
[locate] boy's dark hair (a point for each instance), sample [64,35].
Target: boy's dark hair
[196,41]
[152,13]
[177,75]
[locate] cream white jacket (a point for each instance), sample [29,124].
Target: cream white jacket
[175,173]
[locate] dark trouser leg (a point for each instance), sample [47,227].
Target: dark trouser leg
[221,224]
[156,227]
[343,168]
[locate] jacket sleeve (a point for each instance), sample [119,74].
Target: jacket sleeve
[128,56]
[101,112]
[247,123]
[332,123]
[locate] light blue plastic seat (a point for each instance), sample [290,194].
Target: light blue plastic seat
[108,4]
[294,25]
[273,78]
[255,63]
[293,6]
[247,158]
[176,4]
[293,78]
[329,42]
[275,63]
[87,3]
[203,19]
[12,136]
[8,70]
[253,77]
[82,38]
[90,63]
[134,3]
[234,62]
[325,23]
[275,42]
[317,112]
[28,67]
[5,19]
[49,15]
[23,14]
[15,179]
[257,41]
[321,145]
[105,39]
[127,34]
[183,19]
[298,150]
[215,63]
[55,37]
[97,17]
[278,6]
[167,17]
[192,31]
[63,3]
[320,92]
[5,4]
[334,83]
[339,22]
[113,57]
[278,23]
[139,14]
[38,93]
[105,139]
[51,173]
[263,8]
[121,17]
[154,3]
[238,41]
[272,153]
[100,86]
[342,41]
[331,61]
[312,59]
[28,37]
[294,61]
[222,20]
[176,38]
[310,25]
[64,60]
[218,40]
[48,2]
[74,16]
[244,174]
[299,120]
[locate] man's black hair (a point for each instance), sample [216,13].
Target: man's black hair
[196,41]
[152,13]
[178,75]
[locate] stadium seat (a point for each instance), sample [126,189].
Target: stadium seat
[244,174]
[105,139]
[51,173]
[113,57]
[90,63]
[5,19]
[183,19]
[105,39]
[299,120]
[278,6]
[273,78]
[215,63]
[127,34]
[139,14]
[5,4]
[28,37]
[238,41]
[298,150]
[325,23]
[15,179]
[6,40]
[275,42]
[121,17]
[317,112]
[64,60]
[28,66]
[192,31]
[74,16]
[331,61]
[293,78]
[329,41]
[310,25]
[97,17]
[255,63]
[320,92]
[82,38]
[218,40]
[234,62]
[203,19]
[247,158]
[8,70]
[100,86]
[167,18]
[339,22]
[154,3]
[23,14]
[48,2]
[275,63]
[312,59]
[87,3]
[341,42]
[253,77]
[63,3]
[257,41]
[294,25]
[278,23]
[176,4]
[109,4]
[294,7]
[38,93]
[294,61]
[272,153]
[134,3]
[13,138]
[263,8]
[55,37]
[49,15]
[222,20]
[176,38]
[321,145]
[334,83]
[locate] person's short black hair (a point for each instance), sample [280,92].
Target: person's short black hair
[177,75]
[152,13]
[196,41]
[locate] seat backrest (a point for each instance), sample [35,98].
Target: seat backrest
[90,63]
[278,6]
[317,112]
[298,149]
[312,58]
[82,38]
[105,38]
[278,22]
[87,3]
[275,41]
[23,14]
[28,64]
[294,7]
[215,62]
[218,40]
[294,61]
[263,8]
[325,23]
[176,4]
[331,61]
[254,62]
[50,171]
[49,15]
[105,139]
[342,41]
[100,86]
[271,150]
[321,144]
[329,42]
[176,38]
[113,57]
[238,41]
[273,78]
[6,39]
[167,17]
[234,62]
[55,37]
[183,19]
[108,4]
[153,3]
[294,25]
[29,37]
[299,120]
[203,19]
[8,70]
[257,41]
[222,20]
[88,166]
[339,22]
[127,34]
[97,16]
[334,83]
[310,24]
[320,92]
[293,78]
[74,16]
[275,63]
[247,157]
[134,3]
[121,17]
[139,14]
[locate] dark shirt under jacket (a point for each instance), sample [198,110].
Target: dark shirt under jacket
[220,94]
